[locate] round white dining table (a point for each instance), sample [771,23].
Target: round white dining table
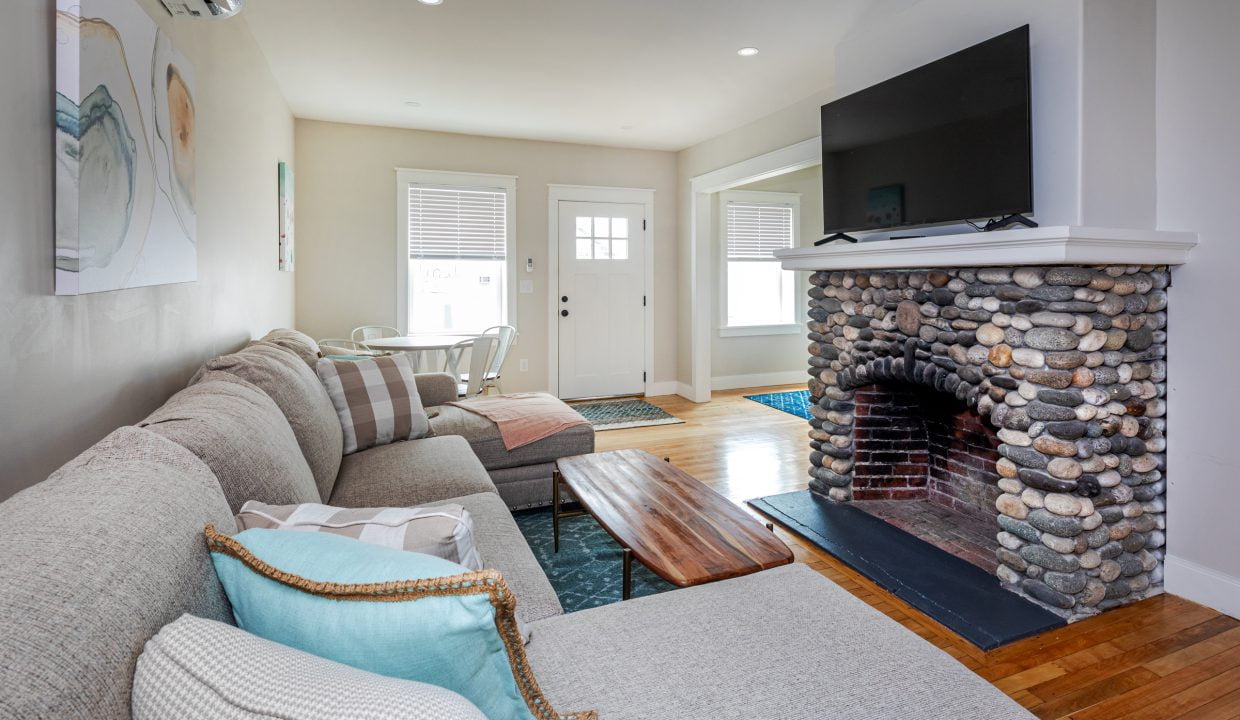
[420,344]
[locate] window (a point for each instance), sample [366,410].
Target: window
[759,296]
[602,238]
[454,241]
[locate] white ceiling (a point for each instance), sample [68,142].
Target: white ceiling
[566,70]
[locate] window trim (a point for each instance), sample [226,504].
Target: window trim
[792,200]
[446,178]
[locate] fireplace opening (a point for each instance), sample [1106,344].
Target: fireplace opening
[925,463]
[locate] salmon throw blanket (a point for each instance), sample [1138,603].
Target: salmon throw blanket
[523,418]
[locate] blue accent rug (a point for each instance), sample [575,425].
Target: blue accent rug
[623,413]
[588,570]
[793,402]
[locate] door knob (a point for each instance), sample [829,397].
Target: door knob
[563,313]
[563,298]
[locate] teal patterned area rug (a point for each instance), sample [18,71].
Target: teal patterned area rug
[588,569]
[793,402]
[623,413]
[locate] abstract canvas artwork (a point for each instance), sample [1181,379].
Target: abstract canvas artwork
[125,151]
[286,217]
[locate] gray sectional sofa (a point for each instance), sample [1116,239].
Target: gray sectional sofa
[109,549]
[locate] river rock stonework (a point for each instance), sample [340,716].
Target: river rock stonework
[1068,365]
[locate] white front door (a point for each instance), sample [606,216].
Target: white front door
[602,299]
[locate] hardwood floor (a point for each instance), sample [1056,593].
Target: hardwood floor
[1161,659]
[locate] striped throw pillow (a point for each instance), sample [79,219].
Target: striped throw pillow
[445,531]
[376,398]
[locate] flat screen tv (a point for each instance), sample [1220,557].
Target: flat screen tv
[947,142]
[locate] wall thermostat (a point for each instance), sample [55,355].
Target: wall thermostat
[529,264]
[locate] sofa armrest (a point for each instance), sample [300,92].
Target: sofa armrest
[435,388]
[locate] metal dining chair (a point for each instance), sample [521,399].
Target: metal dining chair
[354,347]
[481,351]
[506,336]
[374,332]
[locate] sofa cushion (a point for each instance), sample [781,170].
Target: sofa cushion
[298,343]
[483,436]
[444,531]
[239,432]
[296,390]
[397,613]
[413,472]
[785,643]
[96,559]
[197,669]
[436,388]
[376,400]
[502,546]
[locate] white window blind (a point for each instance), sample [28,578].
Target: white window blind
[457,223]
[755,230]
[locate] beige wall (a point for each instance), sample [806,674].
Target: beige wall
[760,356]
[346,224]
[77,367]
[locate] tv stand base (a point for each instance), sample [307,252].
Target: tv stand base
[1008,220]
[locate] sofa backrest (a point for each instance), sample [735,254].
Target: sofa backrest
[93,562]
[240,433]
[298,343]
[297,391]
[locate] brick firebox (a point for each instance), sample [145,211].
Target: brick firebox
[917,444]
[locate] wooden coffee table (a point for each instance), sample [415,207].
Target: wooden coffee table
[685,532]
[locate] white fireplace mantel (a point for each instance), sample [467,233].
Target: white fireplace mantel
[1056,245]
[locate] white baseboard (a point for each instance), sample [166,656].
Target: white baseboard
[731,382]
[1202,585]
[685,390]
[665,387]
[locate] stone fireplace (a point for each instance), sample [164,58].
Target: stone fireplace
[1027,399]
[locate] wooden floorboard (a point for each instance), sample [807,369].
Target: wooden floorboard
[1164,658]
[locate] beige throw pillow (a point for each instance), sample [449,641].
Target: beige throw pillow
[445,531]
[376,400]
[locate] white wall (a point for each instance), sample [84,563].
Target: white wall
[346,225]
[78,367]
[900,36]
[897,35]
[768,359]
[1118,186]
[1198,186]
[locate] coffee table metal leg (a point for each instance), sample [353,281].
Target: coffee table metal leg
[627,589]
[555,508]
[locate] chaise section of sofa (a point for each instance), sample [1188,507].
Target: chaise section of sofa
[785,643]
[522,476]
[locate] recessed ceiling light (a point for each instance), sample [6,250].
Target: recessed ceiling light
[431,2]
[747,51]
[413,103]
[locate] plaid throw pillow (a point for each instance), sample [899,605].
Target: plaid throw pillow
[376,398]
[445,531]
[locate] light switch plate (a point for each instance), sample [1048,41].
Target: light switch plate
[527,287]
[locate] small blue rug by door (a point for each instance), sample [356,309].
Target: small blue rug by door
[793,402]
[586,572]
[620,413]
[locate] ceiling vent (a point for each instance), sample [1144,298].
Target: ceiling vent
[208,9]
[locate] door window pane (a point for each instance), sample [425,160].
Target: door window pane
[600,227]
[601,252]
[619,227]
[583,227]
[584,248]
[619,249]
